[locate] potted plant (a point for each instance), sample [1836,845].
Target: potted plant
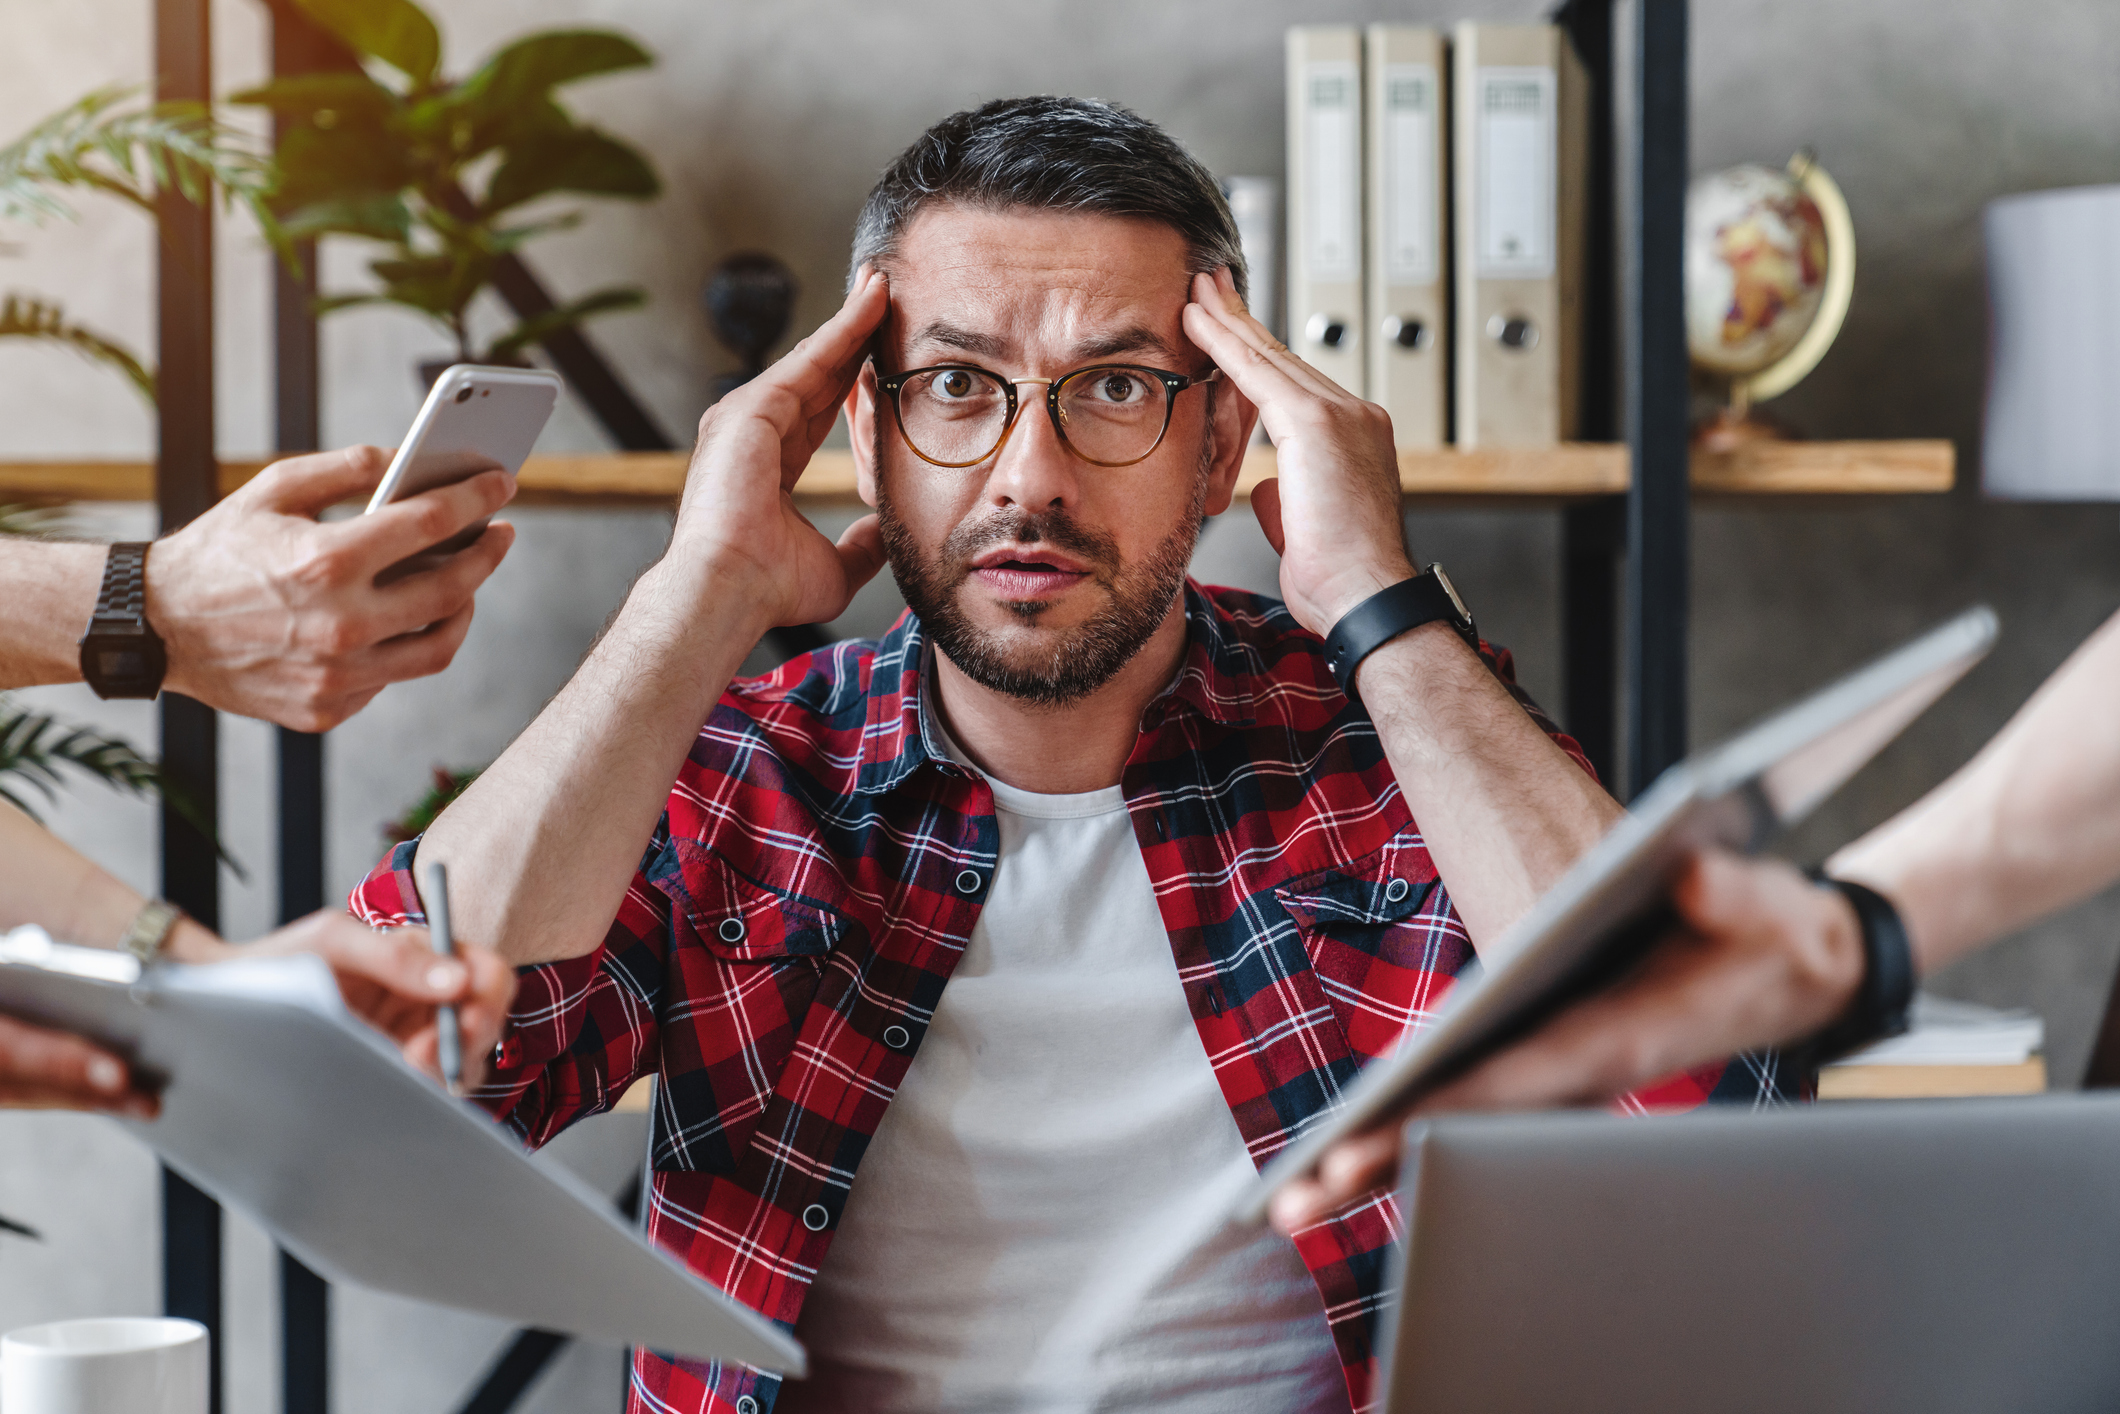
[437,170]
[110,143]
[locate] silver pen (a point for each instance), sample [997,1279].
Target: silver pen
[449,1039]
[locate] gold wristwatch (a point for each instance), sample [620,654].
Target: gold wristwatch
[150,929]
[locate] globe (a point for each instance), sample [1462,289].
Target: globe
[1756,261]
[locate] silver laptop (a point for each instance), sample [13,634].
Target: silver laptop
[1902,1257]
[1608,910]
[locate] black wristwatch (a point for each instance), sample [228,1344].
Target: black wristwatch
[121,654]
[1385,615]
[1882,1003]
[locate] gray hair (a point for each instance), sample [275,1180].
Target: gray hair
[1053,154]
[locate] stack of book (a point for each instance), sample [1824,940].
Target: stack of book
[1953,1049]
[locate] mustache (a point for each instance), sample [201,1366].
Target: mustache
[1017,527]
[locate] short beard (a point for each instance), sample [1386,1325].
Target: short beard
[1082,659]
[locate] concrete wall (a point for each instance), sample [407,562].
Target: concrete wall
[768,122]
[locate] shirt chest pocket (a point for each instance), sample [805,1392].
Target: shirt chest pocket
[760,914]
[1382,937]
[746,963]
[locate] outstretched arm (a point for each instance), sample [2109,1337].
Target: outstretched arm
[389,979]
[1502,809]
[2030,825]
[265,610]
[1764,957]
[542,847]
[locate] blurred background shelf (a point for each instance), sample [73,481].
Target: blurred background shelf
[1575,471]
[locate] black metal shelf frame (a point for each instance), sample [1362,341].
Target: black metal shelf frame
[1625,560]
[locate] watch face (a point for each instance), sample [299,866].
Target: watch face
[121,664]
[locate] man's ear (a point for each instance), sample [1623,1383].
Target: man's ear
[861,430]
[1231,425]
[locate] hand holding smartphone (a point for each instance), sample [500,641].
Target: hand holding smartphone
[475,418]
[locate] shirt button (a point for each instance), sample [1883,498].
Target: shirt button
[968,882]
[815,1217]
[747,1405]
[731,930]
[1396,890]
[897,1037]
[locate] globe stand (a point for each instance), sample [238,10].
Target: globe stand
[1739,422]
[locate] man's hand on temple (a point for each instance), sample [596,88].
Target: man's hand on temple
[268,612]
[1333,512]
[1763,957]
[738,517]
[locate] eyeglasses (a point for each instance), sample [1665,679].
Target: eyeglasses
[1111,414]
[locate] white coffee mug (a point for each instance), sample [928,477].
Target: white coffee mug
[112,1365]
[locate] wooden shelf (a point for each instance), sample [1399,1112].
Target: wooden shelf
[1520,474]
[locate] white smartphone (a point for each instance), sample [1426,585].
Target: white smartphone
[475,418]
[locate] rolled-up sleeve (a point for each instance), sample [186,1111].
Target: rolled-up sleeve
[582,1029]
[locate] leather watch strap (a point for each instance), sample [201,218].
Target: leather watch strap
[1389,612]
[1879,1009]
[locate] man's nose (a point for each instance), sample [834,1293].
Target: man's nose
[1034,469]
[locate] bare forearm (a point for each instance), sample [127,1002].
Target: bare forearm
[49,587]
[49,883]
[542,847]
[2030,825]
[1503,810]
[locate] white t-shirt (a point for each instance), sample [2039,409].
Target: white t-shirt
[1017,1237]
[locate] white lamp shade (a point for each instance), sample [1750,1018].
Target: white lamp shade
[2053,401]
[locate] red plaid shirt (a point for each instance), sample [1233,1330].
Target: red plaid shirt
[816,876]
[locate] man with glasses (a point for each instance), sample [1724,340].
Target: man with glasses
[975,960]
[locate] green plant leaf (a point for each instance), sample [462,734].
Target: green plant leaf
[440,285]
[33,746]
[131,153]
[397,32]
[32,522]
[543,326]
[327,164]
[28,317]
[533,66]
[375,216]
[325,100]
[502,240]
[578,160]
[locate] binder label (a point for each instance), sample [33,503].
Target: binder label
[1332,175]
[1514,109]
[1408,136]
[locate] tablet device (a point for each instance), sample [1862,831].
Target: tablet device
[1609,910]
[290,1110]
[475,418]
[1903,1257]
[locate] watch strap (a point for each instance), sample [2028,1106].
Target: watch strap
[121,654]
[124,592]
[150,929]
[1385,615]
[1885,997]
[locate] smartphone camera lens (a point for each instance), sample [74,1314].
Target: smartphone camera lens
[464,395]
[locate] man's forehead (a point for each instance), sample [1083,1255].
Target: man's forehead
[991,283]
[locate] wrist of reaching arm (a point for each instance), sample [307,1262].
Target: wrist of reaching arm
[50,590]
